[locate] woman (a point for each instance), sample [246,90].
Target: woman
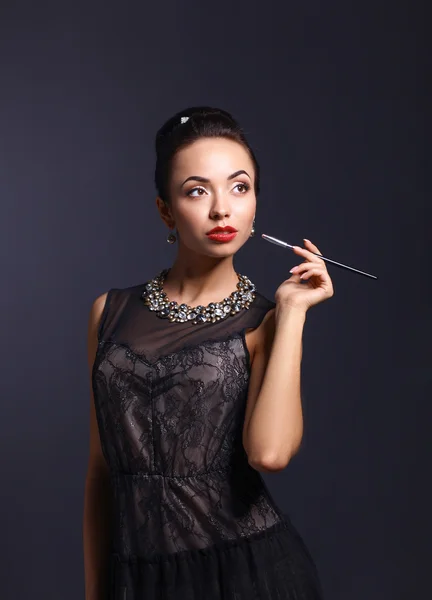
[196,391]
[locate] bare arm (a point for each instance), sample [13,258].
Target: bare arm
[97,494]
[273,426]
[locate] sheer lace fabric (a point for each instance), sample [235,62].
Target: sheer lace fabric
[170,401]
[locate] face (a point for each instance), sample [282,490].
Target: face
[212,184]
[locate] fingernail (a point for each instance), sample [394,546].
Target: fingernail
[306,240]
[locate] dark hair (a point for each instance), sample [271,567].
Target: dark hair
[202,122]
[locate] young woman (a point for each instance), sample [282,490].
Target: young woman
[195,380]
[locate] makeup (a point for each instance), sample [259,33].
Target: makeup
[222,237]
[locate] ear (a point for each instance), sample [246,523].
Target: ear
[165,212]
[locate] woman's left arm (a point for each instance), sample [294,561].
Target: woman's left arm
[273,425]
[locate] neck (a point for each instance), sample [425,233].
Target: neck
[200,283]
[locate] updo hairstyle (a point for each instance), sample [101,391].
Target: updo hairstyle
[186,127]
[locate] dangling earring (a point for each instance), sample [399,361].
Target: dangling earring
[171,238]
[252,233]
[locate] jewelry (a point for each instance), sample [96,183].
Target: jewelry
[155,298]
[171,238]
[252,233]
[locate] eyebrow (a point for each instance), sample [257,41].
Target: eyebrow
[205,180]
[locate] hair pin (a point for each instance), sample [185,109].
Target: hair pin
[184,119]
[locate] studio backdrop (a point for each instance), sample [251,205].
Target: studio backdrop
[332,97]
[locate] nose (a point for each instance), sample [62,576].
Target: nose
[220,207]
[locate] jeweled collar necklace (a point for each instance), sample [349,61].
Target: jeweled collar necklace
[155,298]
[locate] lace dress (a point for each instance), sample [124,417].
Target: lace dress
[192,519]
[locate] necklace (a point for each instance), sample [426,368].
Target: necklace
[155,298]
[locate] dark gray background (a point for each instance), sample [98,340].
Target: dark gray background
[333,97]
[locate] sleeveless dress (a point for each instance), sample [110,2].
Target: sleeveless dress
[192,520]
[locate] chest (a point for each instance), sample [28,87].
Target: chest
[153,413]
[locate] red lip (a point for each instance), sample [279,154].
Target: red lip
[228,228]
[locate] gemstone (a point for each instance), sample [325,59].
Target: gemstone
[156,300]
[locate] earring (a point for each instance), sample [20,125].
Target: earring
[171,238]
[252,233]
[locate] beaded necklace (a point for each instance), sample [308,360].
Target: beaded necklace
[156,300]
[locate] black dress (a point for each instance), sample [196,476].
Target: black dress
[192,519]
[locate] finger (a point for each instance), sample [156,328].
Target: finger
[310,246]
[308,254]
[305,266]
[314,271]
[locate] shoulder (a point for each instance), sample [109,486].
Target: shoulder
[99,303]
[95,318]
[266,330]
[111,303]
[261,337]
[97,309]
[102,302]
[266,309]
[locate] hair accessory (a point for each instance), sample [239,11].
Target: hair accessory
[156,300]
[184,119]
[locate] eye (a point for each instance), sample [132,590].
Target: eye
[195,189]
[246,187]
